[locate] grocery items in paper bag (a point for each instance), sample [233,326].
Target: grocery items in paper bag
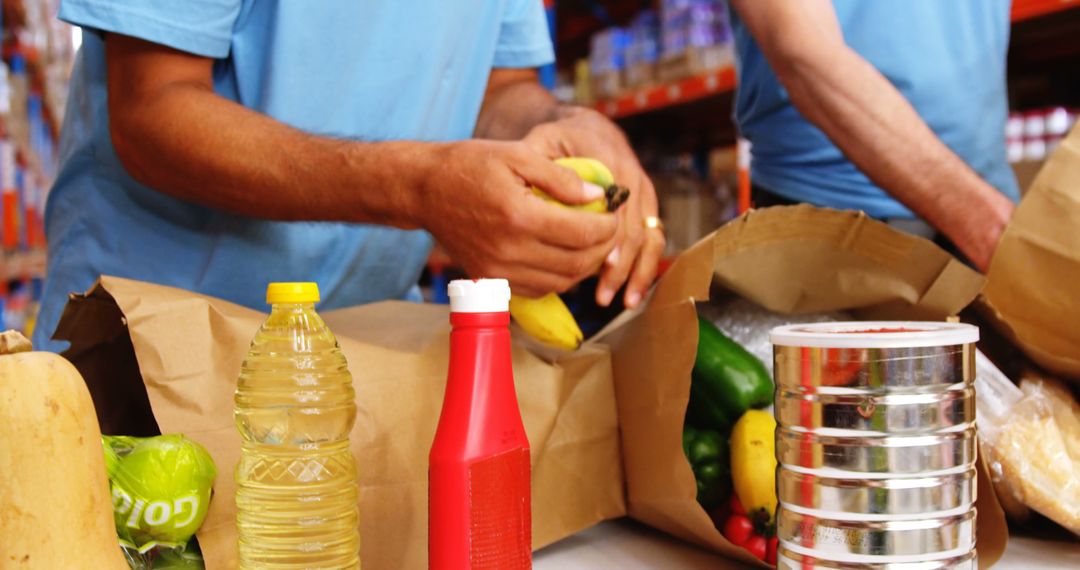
[748,324]
[54,496]
[722,422]
[753,464]
[1031,440]
[737,528]
[188,559]
[756,545]
[995,398]
[883,466]
[547,319]
[296,494]
[790,260]
[727,380]
[160,488]
[757,537]
[707,451]
[479,512]
[180,338]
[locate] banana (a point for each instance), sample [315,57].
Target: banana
[588,169]
[753,461]
[547,319]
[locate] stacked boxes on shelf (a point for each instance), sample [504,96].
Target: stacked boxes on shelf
[685,38]
[607,61]
[696,37]
[1031,136]
[642,49]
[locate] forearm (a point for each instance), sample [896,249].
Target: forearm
[512,109]
[187,141]
[884,136]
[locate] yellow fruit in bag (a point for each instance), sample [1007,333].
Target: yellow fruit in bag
[753,461]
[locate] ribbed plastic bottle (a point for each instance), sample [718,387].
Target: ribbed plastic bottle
[296,494]
[479,506]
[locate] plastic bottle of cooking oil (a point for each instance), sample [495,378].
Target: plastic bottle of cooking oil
[296,491]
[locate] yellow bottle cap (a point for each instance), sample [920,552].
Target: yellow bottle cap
[292,293]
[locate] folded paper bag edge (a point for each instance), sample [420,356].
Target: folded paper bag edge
[1049,210]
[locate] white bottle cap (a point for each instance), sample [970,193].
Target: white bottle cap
[479,295]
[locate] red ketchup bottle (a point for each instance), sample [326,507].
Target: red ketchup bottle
[479,487]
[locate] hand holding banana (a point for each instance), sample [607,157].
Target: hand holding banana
[548,319]
[639,243]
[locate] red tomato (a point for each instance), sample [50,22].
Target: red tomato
[738,529]
[756,546]
[736,506]
[770,551]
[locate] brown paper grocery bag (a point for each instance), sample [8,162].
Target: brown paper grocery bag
[789,260]
[189,349]
[1033,286]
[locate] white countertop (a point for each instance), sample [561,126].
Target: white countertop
[628,545]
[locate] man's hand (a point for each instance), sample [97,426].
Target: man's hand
[479,204]
[516,107]
[978,239]
[637,251]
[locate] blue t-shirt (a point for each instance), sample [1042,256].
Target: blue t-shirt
[947,58]
[371,70]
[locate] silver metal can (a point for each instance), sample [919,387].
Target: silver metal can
[876,445]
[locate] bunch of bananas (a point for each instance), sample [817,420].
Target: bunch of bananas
[548,319]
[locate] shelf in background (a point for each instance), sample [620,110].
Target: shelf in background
[659,97]
[22,265]
[1027,9]
[668,95]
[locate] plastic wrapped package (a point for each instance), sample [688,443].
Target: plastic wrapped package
[161,489]
[995,398]
[749,324]
[1031,439]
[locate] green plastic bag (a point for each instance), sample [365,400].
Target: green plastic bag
[161,489]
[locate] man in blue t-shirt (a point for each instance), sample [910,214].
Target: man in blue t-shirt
[217,145]
[894,108]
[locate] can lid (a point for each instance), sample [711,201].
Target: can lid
[875,334]
[292,293]
[479,295]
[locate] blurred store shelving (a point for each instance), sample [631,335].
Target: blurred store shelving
[37,56]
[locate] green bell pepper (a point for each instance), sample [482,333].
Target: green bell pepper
[707,451]
[727,380]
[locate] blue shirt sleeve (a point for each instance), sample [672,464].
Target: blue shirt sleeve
[524,39]
[201,27]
